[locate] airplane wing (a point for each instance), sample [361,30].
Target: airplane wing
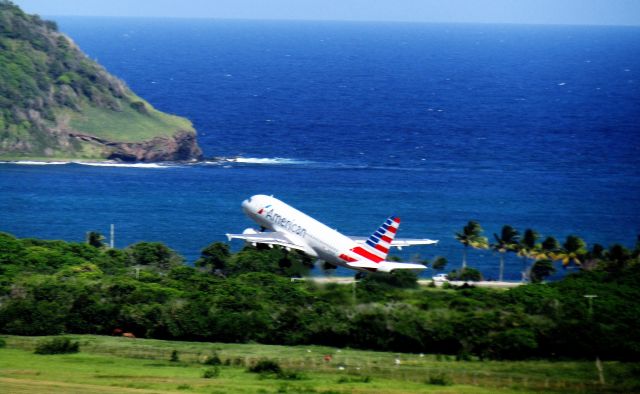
[400,242]
[268,238]
[386,266]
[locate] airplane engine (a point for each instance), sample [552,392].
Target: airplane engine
[250,231]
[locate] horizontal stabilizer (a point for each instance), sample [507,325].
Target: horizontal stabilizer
[399,242]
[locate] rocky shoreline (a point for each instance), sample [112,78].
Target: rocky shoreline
[182,146]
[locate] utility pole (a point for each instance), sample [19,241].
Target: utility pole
[590,298]
[112,239]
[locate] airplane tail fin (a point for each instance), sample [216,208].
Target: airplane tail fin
[376,247]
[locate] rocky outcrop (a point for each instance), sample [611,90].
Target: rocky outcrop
[180,147]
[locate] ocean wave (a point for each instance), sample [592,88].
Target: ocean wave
[125,165]
[217,161]
[230,162]
[265,160]
[90,163]
[35,163]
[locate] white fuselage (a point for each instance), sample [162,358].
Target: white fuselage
[323,242]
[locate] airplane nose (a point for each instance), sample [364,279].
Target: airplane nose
[246,205]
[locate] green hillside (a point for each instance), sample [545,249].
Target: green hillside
[57,103]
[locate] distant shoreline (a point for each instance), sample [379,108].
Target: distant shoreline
[155,164]
[346,280]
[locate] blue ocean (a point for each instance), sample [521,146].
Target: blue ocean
[533,126]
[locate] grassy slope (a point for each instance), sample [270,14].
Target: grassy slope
[128,125]
[121,364]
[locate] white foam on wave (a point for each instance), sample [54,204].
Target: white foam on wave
[222,161]
[35,163]
[90,163]
[127,165]
[266,160]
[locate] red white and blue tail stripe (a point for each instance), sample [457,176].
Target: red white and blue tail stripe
[376,247]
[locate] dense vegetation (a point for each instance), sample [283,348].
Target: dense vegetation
[53,287]
[50,91]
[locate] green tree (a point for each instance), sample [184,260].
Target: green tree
[154,255]
[272,260]
[573,250]
[507,241]
[214,257]
[617,258]
[527,249]
[540,270]
[471,235]
[513,344]
[547,249]
[439,263]
[594,257]
[466,274]
[95,239]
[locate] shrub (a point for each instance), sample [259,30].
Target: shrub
[211,373]
[174,356]
[3,343]
[463,355]
[213,359]
[401,279]
[466,274]
[290,375]
[57,346]
[439,379]
[362,379]
[139,107]
[266,366]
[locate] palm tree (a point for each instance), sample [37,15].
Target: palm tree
[593,258]
[95,239]
[527,248]
[618,257]
[439,263]
[573,250]
[508,240]
[547,249]
[471,235]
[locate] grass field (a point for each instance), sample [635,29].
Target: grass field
[123,365]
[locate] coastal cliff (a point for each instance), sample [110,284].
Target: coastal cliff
[56,103]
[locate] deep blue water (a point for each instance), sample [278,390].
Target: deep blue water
[533,126]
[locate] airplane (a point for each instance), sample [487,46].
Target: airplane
[292,229]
